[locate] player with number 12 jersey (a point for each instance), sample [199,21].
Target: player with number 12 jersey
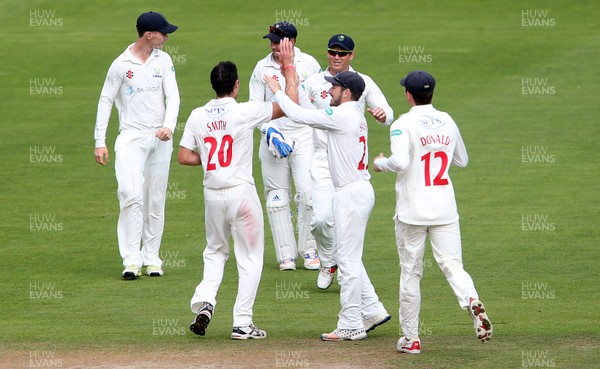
[430,139]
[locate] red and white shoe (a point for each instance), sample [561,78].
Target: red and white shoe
[483,325]
[409,346]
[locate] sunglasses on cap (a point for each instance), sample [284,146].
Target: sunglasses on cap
[278,31]
[341,53]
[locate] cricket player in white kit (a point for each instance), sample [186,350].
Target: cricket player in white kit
[219,136]
[278,173]
[340,52]
[141,83]
[424,142]
[347,145]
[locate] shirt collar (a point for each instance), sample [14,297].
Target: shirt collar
[128,56]
[422,107]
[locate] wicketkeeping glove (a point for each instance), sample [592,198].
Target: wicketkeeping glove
[276,143]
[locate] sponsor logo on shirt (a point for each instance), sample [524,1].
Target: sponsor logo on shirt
[216,112]
[157,72]
[323,94]
[130,90]
[329,111]
[129,74]
[148,89]
[395,132]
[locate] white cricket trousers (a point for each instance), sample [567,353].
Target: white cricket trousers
[352,206]
[322,224]
[235,212]
[142,170]
[447,251]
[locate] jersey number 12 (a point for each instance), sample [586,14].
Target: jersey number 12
[438,180]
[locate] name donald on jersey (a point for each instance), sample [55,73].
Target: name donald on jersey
[435,139]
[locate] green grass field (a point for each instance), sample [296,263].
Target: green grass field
[520,79]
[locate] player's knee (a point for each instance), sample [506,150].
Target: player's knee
[130,196]
[277,199]
[450,266]
[304,199]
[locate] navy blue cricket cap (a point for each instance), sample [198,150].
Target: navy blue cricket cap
[350,80]
[281,30]
[152,21]
[341,40]
[418,82]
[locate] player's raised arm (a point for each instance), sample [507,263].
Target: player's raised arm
[292,82]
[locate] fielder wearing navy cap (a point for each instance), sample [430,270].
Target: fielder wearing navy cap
[281,30]
[418,83]
[341,40]
[350,80]
[152,21]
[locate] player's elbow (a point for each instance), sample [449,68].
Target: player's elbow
[188,157]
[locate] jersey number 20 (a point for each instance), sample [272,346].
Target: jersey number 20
[438,180]
[224,153]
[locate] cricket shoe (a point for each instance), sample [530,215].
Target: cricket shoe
[325,278]
[131,272]
[311,260]
[248,332]
[376,321]
[345,335]
[201,321]
[409,346]
[287,264]
[483,326]
[154,271]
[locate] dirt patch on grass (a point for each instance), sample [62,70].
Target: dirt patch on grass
[370,353]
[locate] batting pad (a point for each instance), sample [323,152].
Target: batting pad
[305,212]
[280,219]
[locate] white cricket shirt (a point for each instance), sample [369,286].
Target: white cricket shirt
[222,133]
[347,137]
[317,86]
[145,94]
[424,142]
[306,66]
